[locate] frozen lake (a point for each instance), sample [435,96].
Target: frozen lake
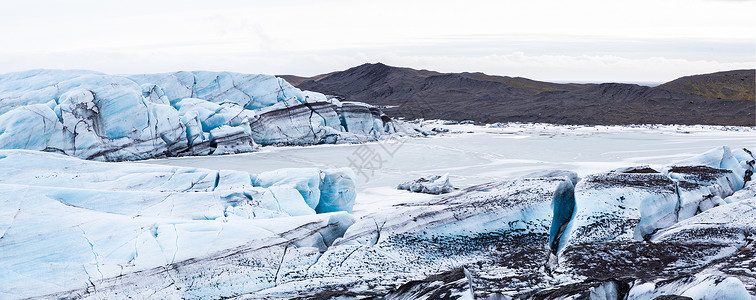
[479,155]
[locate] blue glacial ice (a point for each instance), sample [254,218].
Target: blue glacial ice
[305,180]
[338,191]
[97,116]
[562,203]
[68,223]
[323,190]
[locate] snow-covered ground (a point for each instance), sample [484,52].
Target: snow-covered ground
[474,154]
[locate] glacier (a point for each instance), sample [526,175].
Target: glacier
[93,230]
[72,228]
[104,117]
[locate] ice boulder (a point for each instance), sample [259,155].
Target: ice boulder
[722,182]
[696,237]
[716,287]
[701,187]
[337,191]
[700,286]
[429,185]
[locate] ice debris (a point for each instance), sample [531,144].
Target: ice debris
[429,185]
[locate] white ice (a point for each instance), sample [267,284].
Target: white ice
[429,185]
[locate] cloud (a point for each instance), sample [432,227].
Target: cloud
[574,68]
[581,68]
[585,40]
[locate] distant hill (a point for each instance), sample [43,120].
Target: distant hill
[412,94]
[295,80]
[738,84]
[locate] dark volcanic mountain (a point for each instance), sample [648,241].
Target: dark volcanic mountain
[484,98]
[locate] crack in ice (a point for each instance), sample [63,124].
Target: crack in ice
[94,253]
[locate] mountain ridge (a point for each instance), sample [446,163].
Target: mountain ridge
[413,94]
[720,85]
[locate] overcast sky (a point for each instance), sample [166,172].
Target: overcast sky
[628,41]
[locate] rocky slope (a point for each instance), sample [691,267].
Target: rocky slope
[483,98]
[737,84]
